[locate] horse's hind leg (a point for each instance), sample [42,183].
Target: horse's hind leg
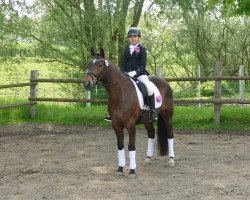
[151,141]
[170,137]
[168,122]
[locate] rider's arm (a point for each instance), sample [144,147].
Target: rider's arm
[142,64]
[123,62]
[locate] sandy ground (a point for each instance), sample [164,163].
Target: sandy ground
[73,162]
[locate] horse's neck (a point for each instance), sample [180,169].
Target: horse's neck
[114,82]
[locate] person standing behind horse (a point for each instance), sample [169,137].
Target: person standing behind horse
[134,64]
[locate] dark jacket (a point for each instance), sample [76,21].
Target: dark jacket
[135,62]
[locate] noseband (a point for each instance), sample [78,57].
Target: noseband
[91,74]
[105,64]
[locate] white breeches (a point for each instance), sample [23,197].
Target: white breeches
[144,79]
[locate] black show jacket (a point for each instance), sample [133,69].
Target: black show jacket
[135,62]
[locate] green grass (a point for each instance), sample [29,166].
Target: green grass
[55,113]
[17,70]
[185,118]
[194,118]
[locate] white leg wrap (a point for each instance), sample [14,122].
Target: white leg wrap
[171,148]
[121,158]
[132,157]
[151,144]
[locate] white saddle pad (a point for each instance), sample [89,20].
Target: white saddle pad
[158,97]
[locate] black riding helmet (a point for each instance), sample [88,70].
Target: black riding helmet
[134,31]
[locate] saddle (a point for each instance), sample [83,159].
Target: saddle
[143,99]
[143,89]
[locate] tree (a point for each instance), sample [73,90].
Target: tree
[234,7]
[67,29]
[202,35]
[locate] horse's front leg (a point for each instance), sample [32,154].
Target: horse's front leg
[132,151]
[120,144]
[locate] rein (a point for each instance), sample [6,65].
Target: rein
[112,84]
[106,64]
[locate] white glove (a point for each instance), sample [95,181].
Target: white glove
[132,74]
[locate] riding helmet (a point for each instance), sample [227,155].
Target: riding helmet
[134,31]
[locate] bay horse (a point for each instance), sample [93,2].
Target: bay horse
[124,109]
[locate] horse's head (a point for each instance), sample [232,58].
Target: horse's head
[97,69]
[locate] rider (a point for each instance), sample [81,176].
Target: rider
[134,64]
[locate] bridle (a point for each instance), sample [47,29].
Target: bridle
[104,65]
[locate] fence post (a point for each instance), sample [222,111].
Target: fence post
[199,83]
[71,86]
[17,81]
[33,91]
[88,93]
[241,84]
[88,97]
[217,92]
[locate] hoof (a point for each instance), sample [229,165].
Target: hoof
[119,171]
[171,162]
[147,162]
[132,174]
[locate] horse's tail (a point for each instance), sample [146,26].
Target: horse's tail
[162,136]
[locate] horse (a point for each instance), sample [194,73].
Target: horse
[124,109]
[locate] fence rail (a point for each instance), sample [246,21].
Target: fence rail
[211,78]
[101,101]
[16,85]
[176,101]
[57,80]
[212,101]
[17,105]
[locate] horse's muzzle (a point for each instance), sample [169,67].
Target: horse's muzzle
[87,85]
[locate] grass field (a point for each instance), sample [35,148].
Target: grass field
[185,117]
[17,70]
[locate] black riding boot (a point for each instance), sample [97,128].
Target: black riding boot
[107,118]
[152,113]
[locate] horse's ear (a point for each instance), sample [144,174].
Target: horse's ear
[102,52]
[92,51]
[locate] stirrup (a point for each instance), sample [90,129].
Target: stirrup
[107,118]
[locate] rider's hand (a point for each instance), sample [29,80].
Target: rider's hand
[132,74]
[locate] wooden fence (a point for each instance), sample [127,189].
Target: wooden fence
[217,101]
[30,103]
